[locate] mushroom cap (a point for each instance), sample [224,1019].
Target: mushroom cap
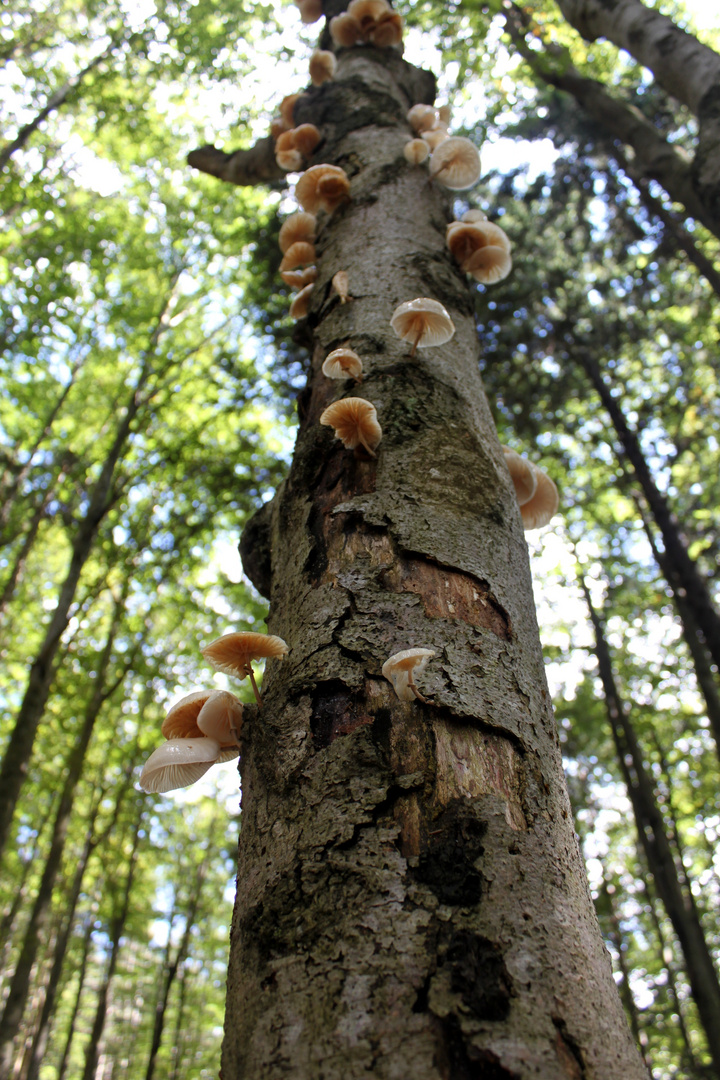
[388,30]
[341,284]
[310,10]
[306,138]
[355,423]
[298,279]
[300,226]
[232,653]
[342,364]
[179,763]
[290,160]
[489,264]
[522,475]
[301,302]
[400,665]
[301,253]
[322,186]
[435,136]
[466,240]
[422,118]
[455,163]
[278,126]
[416,151]
[445,113]
[345,30]
[322,66]
[285,140]
[181,719]
[287,106]
[473,216]
[423,321]
[367,13]
[543,505]
[221,718]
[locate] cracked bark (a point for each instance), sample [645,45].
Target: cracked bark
[411,899]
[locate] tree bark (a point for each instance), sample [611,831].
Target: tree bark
[411,898]
[677,900]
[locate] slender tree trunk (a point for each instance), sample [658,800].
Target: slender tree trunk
[21,557]
[72,1021]
[92,841]
[116,930]
[677,900]
[411,898]
[681,572]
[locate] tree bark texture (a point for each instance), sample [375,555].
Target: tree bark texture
[681,64]
[411,898]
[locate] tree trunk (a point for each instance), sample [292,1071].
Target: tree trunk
[70,1033]
[411,898]
[677,900]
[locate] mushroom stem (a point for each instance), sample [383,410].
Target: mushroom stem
[256,692]
[416,342]
[415,690]
[370,452]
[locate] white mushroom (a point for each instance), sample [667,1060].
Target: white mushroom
[401,668]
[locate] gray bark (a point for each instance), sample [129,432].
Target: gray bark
[411,898]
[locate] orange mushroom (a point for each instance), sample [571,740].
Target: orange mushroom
[343,363]
[322,66]
[233,654]
[300,226]
[424,322]
[355,423]
[322,186]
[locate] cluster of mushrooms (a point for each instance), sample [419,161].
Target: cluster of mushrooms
[203,728]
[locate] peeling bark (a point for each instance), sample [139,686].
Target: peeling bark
[411,899]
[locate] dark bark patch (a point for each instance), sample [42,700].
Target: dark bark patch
[449,594]
[479,975]
[341,476]
[569,1053]
[447,864]
[456,1060]
[334,713]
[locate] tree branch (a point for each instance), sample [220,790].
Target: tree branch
[242,167]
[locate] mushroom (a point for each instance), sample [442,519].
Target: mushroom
[445,114]
[434,137]
[481,248]
[233,654]
[290,160]
[310,10]
[301,253]
[473,216]
[278,126]
[489,264]
[221,718]
[306,138]
[287,107]
[455,163]
[343,364]
[416,151]
[368,13]
[345,30]
[301,303]
[298,279]
[300,226]
[388,30]
[341,285]
[422,118]
[522,475]
[423,321]
[322,66]
[400,669]
[355,423]
[539,509]
[183,720]
[323,186]
[180,762]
